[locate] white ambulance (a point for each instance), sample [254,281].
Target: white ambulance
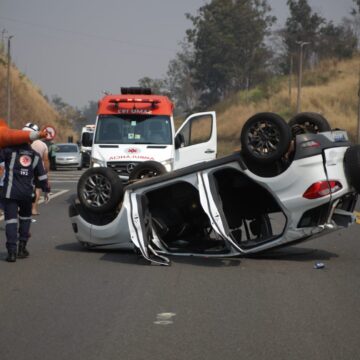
[135,135]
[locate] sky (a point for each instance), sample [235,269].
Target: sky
[76,49]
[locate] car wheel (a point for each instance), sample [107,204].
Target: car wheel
[265,138]
[147,169]
[100,190]
[308,122]
[352,165]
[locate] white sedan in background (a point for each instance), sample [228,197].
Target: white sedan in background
[68,155]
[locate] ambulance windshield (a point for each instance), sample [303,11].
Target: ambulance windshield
[133,129]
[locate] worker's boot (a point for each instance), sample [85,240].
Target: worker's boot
[22,252]
[11,256]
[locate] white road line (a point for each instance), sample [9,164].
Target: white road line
[55,195]
[63,181]
[51,197]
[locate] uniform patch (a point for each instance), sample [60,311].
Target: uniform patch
[25,160]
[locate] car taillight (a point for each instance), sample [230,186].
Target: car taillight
[322,188]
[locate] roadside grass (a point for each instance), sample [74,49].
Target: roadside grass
[28,104]
[331,89]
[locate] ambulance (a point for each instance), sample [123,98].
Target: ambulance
[135,135]
[86,138]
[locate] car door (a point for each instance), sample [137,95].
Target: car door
[196,140]
[140,226]
[211,205]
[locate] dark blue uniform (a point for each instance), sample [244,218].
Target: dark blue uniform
[22,165]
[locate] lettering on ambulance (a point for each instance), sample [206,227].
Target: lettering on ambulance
[135,111]
[130,157]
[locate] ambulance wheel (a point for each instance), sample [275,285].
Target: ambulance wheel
[147,169]
[100,190]
[308,122]
[265,138]
[352,165]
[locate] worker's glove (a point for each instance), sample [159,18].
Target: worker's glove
[35,135]
[43,134]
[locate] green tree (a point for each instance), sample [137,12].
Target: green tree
[336,41]
[89,112]
[157,86]
[69,115]
[229,50]
[355,19]
[356,9]
[303,25]
[179,81]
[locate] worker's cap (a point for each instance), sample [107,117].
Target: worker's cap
[31,127]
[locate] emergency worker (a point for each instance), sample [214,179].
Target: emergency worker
[41,148]
[22,165]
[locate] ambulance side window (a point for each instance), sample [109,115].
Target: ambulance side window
[197,130]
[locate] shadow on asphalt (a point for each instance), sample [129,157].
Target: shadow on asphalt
[294,254]
[129,257]
[121,256]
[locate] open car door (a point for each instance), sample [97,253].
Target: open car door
[213,211]
[140,225]
[196,140]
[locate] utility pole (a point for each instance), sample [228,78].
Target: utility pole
[301,44]
[8,81]
[3,32]
[290,78]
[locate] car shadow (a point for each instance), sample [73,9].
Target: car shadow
[129,257]
[121,256]
[206,261]
[294,254]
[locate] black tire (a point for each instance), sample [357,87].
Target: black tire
[100,190]
[265,138]
[147,169]
[352,166]
[308,122]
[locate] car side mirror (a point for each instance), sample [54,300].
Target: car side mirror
[179,141]
[87,139]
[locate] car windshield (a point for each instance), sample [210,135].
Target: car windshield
[133,129]
[66,148]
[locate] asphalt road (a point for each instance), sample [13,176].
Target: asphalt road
[64,302]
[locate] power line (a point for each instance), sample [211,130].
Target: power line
[88,35]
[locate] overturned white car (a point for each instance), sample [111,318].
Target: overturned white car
[289,183]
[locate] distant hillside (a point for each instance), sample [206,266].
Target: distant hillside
[28,103]
[331,89]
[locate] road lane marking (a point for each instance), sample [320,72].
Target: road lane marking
[42,200]
[164,318]
[54,195]
[63,181]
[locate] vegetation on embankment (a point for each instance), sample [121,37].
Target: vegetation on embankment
[330,89]
[28,104]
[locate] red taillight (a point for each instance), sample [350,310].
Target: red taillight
[322,188]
